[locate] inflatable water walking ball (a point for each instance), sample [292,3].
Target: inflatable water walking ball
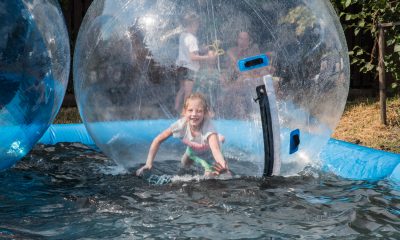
[275,74]
[34,69]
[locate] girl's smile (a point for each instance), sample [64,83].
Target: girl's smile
[195,113]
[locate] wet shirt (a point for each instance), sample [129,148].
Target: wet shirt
[180,129]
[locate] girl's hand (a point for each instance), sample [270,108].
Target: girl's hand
[220,169]
[140,171]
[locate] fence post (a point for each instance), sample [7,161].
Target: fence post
[381,70]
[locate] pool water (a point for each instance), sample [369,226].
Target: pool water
[69,191]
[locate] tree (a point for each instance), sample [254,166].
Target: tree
[363,17]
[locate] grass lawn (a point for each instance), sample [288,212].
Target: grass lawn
[68,115]
[359,124]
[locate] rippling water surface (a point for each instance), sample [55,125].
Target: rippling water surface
[69,191]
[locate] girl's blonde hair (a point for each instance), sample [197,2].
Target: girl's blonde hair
[194,96]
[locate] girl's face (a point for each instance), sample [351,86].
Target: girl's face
[195,112]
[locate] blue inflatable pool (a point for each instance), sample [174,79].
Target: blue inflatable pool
[342,158]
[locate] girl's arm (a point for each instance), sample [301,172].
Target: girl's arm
[153,150]
[213,142]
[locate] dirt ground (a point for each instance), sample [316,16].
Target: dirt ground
[360,124]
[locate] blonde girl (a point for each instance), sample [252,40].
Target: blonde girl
[196,131]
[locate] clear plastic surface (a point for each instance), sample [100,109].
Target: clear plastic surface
[128,74]
[34,69]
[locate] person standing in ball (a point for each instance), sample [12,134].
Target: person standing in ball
[197,132]
[189,58]
[244,48]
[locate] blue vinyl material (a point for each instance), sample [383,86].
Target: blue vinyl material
[264,61]
[34,69]
[293,146]
[342,158]
[358,162]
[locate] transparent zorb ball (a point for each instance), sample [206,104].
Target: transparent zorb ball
[128,76]
[34,69]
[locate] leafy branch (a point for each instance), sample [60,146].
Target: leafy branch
[363,18]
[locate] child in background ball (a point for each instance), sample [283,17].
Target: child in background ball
[189,58]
